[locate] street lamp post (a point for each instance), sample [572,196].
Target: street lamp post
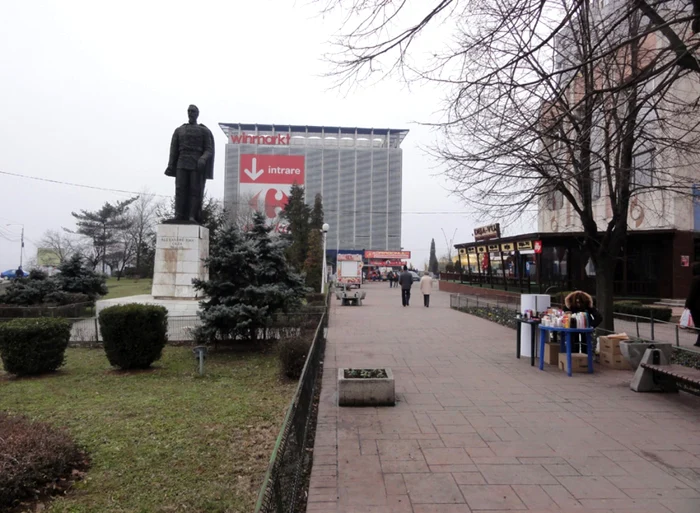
[21,246]
[324,231]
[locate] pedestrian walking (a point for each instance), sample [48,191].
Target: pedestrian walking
[426,287]
[392,278]
[19,273]
[406,281]
[692,302]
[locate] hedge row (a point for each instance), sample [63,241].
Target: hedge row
[658,313]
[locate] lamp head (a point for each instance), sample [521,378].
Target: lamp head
[325,227]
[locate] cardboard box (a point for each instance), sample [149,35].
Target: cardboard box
[551,354]
[579,362]
[614,361]
[609,345]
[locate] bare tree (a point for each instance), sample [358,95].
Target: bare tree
[552,103]
[60,243]
[143,213]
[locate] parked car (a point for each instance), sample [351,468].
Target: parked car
[9,274]
[414,275]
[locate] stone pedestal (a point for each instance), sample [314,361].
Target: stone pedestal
[180,253]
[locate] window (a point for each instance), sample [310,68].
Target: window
[596,182]
[643,168]
[554,200]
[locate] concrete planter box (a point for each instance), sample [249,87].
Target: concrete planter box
[632,352]
[366,391]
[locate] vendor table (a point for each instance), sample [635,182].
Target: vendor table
[565,341]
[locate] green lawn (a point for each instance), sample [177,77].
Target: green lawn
[128,287]
[165,440]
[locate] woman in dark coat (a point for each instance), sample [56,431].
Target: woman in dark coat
[576,302]
[692,303]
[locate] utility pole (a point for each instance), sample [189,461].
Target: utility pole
[21,246]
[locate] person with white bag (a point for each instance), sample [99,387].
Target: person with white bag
[692,303]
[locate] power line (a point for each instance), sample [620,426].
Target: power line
[94,187]
[122,191]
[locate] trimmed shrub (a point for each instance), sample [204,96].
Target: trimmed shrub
[134,335]
[292,354]
[659,313]
[32,456]
[315,297]
[33,346]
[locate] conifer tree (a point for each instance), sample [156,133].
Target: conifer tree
[249,282]
[433,265]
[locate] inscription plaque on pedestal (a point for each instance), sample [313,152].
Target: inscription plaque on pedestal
[180,253]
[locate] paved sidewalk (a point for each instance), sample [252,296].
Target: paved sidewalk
[476,429]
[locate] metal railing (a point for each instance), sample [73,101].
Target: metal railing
[284,479]
[641,327]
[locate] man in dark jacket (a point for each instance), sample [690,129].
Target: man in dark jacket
[406,281]
[692,303]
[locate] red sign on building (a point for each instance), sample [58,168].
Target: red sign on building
[277,169]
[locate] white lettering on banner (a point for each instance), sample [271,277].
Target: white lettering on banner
[282,171]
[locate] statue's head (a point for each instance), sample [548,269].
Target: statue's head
[192,113]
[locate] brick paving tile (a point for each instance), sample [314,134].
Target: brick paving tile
[561,469]
[476,429]
[534,497]
[516,474]
[433,489]
[441,508]
[468,478]
[591,488]
[399,450]
[445,456]
[394,484]
[490,497]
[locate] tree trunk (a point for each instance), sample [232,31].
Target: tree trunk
[605,290]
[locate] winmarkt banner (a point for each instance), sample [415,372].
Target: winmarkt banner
[388,255]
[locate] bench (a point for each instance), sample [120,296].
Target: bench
[674,377]
[656,373]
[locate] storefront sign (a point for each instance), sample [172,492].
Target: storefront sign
[537,245]
[388,255]
[272,140]
[494,248]
[471,249]
[481,249]
[385,263]
[507,247]
[492,231]
[524,244]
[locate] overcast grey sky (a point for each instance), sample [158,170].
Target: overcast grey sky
[92,92]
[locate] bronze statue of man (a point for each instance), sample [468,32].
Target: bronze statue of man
[191,163]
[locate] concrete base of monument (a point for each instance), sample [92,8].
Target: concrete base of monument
[181,250]
[175,307]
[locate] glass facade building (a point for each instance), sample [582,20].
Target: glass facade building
[358,172]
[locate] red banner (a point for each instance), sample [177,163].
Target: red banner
[272,169]
[388,255]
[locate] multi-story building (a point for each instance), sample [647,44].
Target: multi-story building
[357,171]
[657,167]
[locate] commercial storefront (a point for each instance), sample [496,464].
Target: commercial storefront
[358,172]
[653,264]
